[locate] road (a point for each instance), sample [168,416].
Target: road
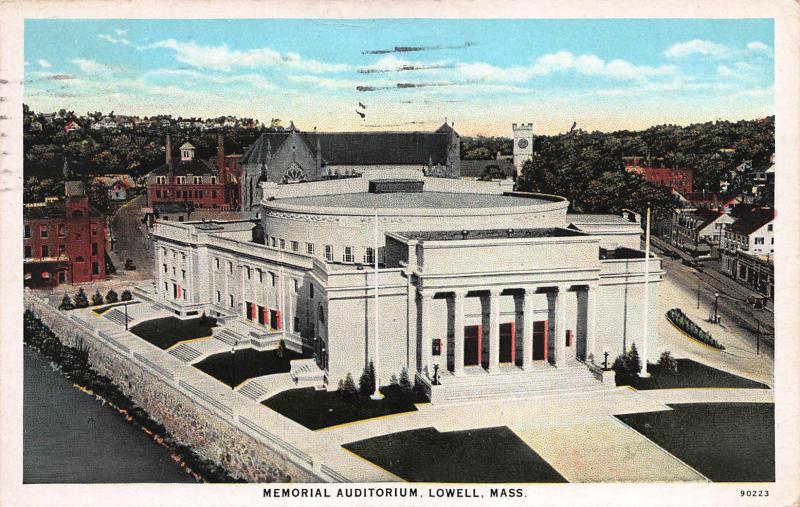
[132,241]
[731,306]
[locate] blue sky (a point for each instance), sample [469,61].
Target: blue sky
[481,74]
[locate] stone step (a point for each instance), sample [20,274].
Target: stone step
[517,395]
[185,353]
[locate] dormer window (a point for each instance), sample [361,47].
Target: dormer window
[187,152]
[181,180]
[161,180]
[197,180]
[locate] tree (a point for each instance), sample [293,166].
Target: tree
[405,383]
[66,303]
[479,153]
[281,348]
[112,297]
[366,383]
[632,362]
[97,298]
[348,386]
[81,301]
[667,362]
[127,296]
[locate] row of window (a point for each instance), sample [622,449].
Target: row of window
[61,231]
[348,255]
[45,250]
[181,180]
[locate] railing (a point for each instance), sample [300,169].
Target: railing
[105,336]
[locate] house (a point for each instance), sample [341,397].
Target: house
[696,230]
[118,186]
[488,169]
[751,232]
[679,179]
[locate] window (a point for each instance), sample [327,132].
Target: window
[216,263]
[247,269]
[62,249]
[219,297]
[759,240]
[165,268]
[230,300]
[180,218]
[183,274]
[62,277]
[230,267]
[273,278]
[214,194]
[769,227]
[214,182]
[28,252]
[295,246]
[347,256]
[283,244]
[173,271]
[45,251]
[43,232]
[369,257]
[95,268]
[273,242]
[329,253]
[27,231]
[197,180]
[201,196]
[79,258]
[310,248]
[437,346]
[62,231]
[181,180]
[158,194]
[311,291]
[295,285]
[161,180]
[260,276]
[94,248]
[94,229]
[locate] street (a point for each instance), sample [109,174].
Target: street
[131,241]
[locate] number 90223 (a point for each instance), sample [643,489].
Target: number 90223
[754,492]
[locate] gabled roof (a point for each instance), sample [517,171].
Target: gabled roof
[187,146]
[751,221]
[361,148]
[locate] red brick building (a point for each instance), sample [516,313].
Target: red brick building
[679,179]
[64,240]
[185,178]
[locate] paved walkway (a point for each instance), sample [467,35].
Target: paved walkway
[606,450]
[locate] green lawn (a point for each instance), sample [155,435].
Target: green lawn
[690,374]
[167,331]
[321,409]
[488,455]
[233,369]
[726,442]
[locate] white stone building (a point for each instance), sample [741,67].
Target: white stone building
[472,280]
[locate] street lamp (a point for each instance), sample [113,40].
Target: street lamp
[233,353]
[716,299]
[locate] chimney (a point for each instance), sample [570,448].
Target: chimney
[221,169]
[168,152]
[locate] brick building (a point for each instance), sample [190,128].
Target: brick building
[679,179]
[185,178]
[64,240]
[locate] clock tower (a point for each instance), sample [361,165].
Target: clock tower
[523,144]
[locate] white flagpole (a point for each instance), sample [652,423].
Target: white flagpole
[644,372]
[377,394]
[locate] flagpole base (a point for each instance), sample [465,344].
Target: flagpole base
[376,396]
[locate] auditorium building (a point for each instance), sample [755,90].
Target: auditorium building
[478,292]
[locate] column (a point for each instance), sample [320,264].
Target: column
[559,334]
[527,327]
[458,332]
[494,329]
[591,296]
[244,306]
[425,338]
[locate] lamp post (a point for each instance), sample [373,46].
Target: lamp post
[126,316]
[716,299]
[233,354]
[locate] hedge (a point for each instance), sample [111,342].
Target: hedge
[685,324]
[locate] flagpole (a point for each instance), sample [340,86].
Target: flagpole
[377,394]
[644,372]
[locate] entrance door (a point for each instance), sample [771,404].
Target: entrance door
[507,343]
[540,340]
[261,315]
[472,345]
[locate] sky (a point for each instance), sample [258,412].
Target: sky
[408,74]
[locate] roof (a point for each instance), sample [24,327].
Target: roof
[196,166]
[749,222]
[476,168]
[423,200]
[543,232]
[596,219]
[55,209]
[361,148]
[187,146]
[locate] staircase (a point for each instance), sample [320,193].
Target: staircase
[304,373]
[185,352]
[117,316]
[512,385]
[229,337]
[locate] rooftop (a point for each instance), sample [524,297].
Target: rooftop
[749,222]
[543,232]
[581,218]
[423,200]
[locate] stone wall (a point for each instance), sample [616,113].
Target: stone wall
[189,422]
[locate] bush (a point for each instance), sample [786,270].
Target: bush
[405,383]
[393,380]
[348,387]
[281,347]
[633,365]
[112,297]
[66,303]
[127,296]
[366,384]
[97,298]
[685,324]
[667,362]
[81,301]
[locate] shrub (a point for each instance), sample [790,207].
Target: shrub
[81,301]
[633,365]
[366,383]
[127,296]
[405,383]
[281,348]
[112,297]
[393,380]
[685,324]
[66,303]
[667,362]
[97,298]
[348,386]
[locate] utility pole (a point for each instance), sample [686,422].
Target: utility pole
[758,337]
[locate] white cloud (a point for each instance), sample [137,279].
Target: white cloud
[115,40]
[44,63]
[91,66]
[121,32]
[696,47]
[224,59]
[254,80]
[565,61]
[757,46]
[332,83]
